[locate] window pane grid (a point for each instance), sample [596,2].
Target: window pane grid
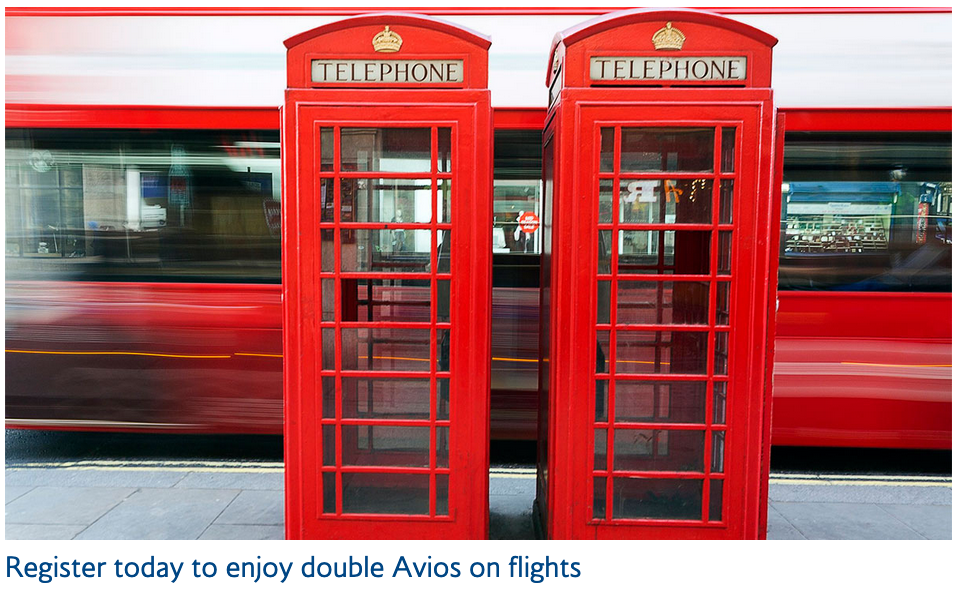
[399,444]
[653,302]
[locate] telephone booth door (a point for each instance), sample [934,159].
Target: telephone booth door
[660,299]
[387,266]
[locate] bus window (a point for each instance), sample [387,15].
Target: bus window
[866,212]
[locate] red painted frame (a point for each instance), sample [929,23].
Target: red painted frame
[467,113]
[566,508]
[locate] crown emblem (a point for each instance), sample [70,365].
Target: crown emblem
[668,38]
[387,41]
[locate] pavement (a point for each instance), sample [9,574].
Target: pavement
[219,500]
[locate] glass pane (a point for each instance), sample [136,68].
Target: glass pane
[601,352]
[443,491]
[386,493]
[604,251]
[329,446]
[722,353]
[386,201]
[443,251]
[640,352]
[329,397]
[443,350]
[639,252]
[443,150]
[598,503]
[326,251]
[605,201]
[386,349]
[718,452]
[385,446]
[391,300]
[327,300]
[329,492]
[443,448]
[601,449]
[385,250]
[659,450]
[722,302]
[715,499]
[719,402]
[728,150]
[443,201]
[328,347]
[388,398]
[725,201]
[385,149]
[601,400]
[604,302]
[667,149]
[608,150]
[326,149]
[666,201]
[443,300]
[635,498]
[443,398]
[327,201]
[725,252]
[665,402]
[662,302]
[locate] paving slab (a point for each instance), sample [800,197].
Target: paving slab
[825,520]
[65,505]
[161,514]
[11,493]
[23,531]
[255,507]
[101,478]
[933,522]
[861,494]
[241,532]
[233,480]
[777,527]
[512,486]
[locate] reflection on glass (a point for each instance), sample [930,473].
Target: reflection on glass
[385,446]
[443,201]
[386,200]
[329,446]
[601,449]
[659,450]
[605,201]
[635,498]
[385,349]
[667,149]
[329,492]
[666,201]
[645,352]
[601,352]
[443,350]
[385,149]
[443,300]
[328,347]
[719,402]
[326,145]
[386,250]
[639,252]
[389,300]
[443,398]
[327,251]
[718,452]
[662,302]
[604,251]
[378,493]
[722,353]
[608,150]
[725,252]
[385,398]
[443,447]
[443,150]
[598,500]
[668,402]
[327,203]
[443,251]
[726,201]
[722,303]
[327,299]
[715,499]
[604,302]
[443,491]
[601,400]
[329,397]
[728,150]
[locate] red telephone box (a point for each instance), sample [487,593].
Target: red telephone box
[658,279]
[387,164]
